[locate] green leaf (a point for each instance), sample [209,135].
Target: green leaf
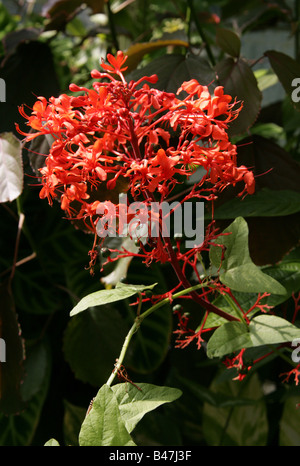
[270,131]
[228,41]
[272,330]
[52,443]
[201,394]
[270,238]
[264,203]
[134,404]
[73,418]
[265,79]
[230,337]
[239,81]
[287,273]
[19,429]
[11,168]
[287,70]
[137,51]
[173,69]
[262,330]
[104,425]
[120,292]
[238,272]
[150,345]
[236,425]
[289,427]
[43,298]
[12,370]
[92,340]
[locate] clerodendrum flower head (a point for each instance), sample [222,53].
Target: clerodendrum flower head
[133,135]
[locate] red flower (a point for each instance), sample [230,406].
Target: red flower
[122,131]
[116,63]
[238,363]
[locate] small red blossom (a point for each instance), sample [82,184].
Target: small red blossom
[116,63]
[238,363]
[294,372]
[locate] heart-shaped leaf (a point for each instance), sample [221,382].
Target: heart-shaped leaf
[237,269]
[173,69]
[92,341]
[104,425]
[262,330]
[228,41]
[288,72]
[239,81]
[134,403]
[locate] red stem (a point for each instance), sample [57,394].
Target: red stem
[174,262]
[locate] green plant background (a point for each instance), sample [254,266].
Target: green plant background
[255,51]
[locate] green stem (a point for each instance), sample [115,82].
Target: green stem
[234,307]
[297,32]
[24,225]
[201,33]
[188,22]
[137,322]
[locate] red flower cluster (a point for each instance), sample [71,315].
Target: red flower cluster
[148,141]
[124,131]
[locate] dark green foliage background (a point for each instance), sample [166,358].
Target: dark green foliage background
[67,360]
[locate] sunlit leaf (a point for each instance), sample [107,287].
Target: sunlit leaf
[73,418]
[52,443]
[173,69]
[11,167]
[109,296]
[237,269]
[134,403]
[104,425]
[262,330]
[265,78]
[150,345]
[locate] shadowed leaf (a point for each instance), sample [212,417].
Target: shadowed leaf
[287,70]
[239,81]
[12,370]
[228,41]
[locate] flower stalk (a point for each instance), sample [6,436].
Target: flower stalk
[138,321]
